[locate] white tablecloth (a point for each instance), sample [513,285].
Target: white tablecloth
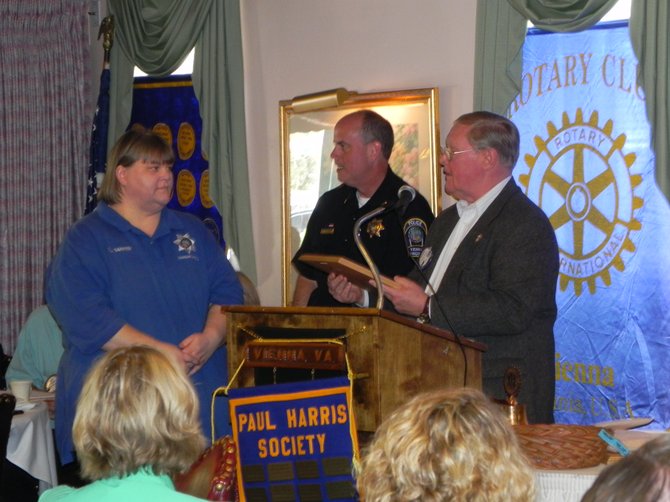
[564,486]
[31,445]
[571,485]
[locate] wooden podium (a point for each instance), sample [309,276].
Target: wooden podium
[392,358]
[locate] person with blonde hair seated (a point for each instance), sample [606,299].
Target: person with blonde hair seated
[136,426]
[449,444]
[642,476]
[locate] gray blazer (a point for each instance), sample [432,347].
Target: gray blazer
[499,289]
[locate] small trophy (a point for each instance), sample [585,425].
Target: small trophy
[514,411]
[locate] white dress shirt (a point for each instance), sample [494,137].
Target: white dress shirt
[468,214]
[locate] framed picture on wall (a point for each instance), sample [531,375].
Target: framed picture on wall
[307,124]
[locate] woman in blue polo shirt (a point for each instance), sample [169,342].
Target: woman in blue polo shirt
[135,272]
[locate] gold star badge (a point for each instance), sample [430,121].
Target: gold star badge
[375,228]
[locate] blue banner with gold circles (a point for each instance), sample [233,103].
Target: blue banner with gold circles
[295,441]
[586,161]
[169,107]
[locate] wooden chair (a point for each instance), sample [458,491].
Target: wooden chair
[213,475]
[4,363]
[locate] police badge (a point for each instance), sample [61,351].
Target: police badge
[185,243]
[375,227]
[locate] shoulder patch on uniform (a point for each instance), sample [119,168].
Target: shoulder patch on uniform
[414,231]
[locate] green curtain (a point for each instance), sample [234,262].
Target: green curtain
[157,35]
[500,33]
[649,25]
[218,81]
[563,15]
[501,30]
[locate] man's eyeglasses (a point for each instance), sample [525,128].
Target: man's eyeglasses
[449,153]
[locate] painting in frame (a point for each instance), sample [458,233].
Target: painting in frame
[307,124]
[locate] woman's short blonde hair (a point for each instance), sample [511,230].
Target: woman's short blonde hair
[135,144]
[450,444]
[137,409]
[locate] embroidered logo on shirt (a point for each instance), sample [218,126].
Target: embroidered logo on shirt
[185,243]
[120,249]
[375,227]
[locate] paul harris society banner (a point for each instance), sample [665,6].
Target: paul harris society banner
[295,441]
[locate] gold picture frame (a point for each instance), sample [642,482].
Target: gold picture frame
[306,133]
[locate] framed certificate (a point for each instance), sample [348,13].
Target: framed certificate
[307,124]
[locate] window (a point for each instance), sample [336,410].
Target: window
[186,67]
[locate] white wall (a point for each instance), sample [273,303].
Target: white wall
[296,47]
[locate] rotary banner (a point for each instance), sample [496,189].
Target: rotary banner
[169,107]
[295,441]
[586,161]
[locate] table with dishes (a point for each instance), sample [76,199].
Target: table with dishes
[570,485]
[31,445]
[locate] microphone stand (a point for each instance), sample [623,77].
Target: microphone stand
[366,255]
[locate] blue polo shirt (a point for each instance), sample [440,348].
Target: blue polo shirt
[108,273]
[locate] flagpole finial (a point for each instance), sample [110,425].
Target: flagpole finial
[107,32]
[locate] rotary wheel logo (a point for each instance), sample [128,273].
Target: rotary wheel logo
[580,178]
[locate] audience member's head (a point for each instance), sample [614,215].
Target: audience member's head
[642,476]
[450,444]
[137,410]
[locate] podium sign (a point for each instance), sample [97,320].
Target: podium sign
[391,357]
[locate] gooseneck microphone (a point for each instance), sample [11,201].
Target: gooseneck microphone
[406,195]
[368,259]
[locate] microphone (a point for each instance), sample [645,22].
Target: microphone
[368,259]
[406,195]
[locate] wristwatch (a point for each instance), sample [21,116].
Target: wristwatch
[424,316]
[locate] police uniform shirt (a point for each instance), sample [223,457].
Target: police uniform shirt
[391,241]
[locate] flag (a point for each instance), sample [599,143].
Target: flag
[586,161]
[168,106]
[98,151]
[295,441]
